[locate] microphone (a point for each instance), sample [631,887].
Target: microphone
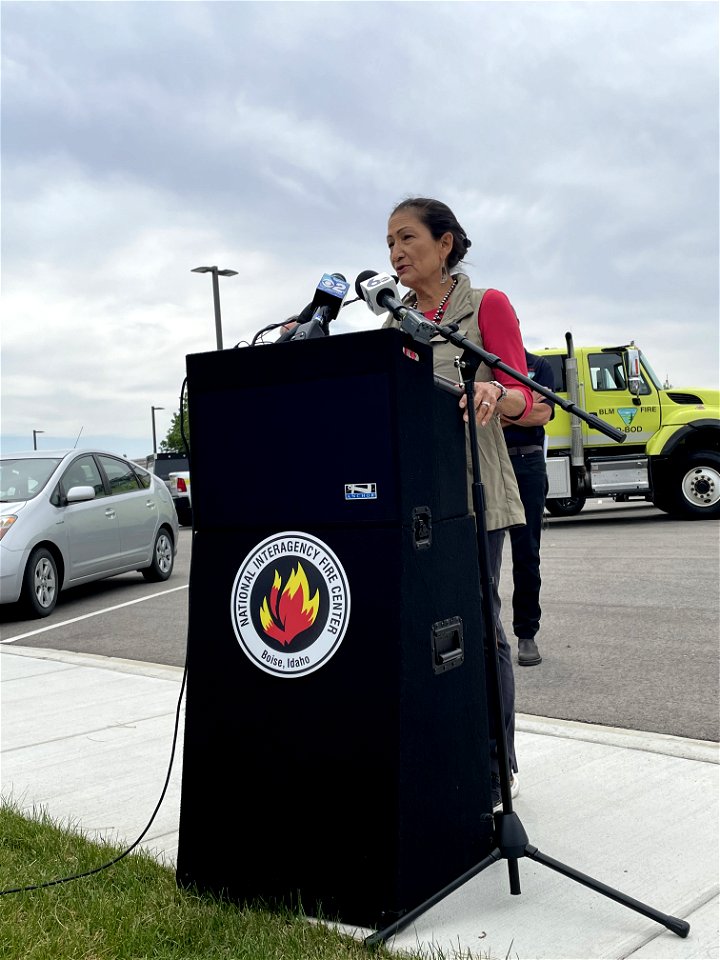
[329,295]
[374,288]
[296,318]
[324,307]
[380,293]
[364,275]
[301,318]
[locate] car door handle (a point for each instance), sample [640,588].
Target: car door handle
[150,504]
[110,513]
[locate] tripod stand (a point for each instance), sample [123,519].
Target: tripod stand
[511,842]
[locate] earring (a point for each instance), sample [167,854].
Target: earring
[443,274]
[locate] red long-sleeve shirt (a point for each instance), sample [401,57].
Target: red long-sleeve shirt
[500,332]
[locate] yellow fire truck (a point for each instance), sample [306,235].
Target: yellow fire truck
[671,455]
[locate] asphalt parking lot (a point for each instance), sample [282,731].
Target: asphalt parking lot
[629,634]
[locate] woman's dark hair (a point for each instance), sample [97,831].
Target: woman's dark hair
[439,219]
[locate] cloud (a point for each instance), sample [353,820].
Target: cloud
[577,144]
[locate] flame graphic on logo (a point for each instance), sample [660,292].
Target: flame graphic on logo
[290,611]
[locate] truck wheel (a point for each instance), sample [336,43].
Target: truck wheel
[565,506]
[696,487]
[163,559]
[40,583]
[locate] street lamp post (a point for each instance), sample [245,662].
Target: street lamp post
[35,433]
[216,295]
[153,409]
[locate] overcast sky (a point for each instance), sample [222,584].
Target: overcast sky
[577,143]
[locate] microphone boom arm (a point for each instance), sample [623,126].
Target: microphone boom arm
[424,330]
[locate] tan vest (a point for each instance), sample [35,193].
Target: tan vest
[503,507]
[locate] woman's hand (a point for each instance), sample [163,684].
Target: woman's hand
[486,403]
[491,399]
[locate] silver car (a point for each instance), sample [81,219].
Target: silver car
[68,517]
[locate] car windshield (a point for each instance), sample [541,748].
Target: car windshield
[23,479]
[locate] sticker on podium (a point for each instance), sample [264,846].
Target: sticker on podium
[361,491]
[290,604]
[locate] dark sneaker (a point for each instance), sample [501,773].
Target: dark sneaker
[496,793]
[528,653]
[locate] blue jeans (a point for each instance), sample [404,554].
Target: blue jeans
[507,677]
[532,482]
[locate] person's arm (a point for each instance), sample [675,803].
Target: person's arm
[539,414]
[500,332]
[543,409]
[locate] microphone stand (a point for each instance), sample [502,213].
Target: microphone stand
[510,839]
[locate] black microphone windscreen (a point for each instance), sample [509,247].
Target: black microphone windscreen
[361,278]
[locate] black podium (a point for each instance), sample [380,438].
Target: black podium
[336,733]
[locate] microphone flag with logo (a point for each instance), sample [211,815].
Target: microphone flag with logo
[380,293]
[315,318]
[329,296]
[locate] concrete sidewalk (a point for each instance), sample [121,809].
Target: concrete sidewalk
[89,738]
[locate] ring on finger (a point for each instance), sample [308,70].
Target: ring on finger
[484,403]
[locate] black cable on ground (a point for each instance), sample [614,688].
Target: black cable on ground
[121,856]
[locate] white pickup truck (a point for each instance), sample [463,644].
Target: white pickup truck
[173,469]
[179,483]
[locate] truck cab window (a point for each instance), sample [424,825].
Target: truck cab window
[557,363]
[608,373]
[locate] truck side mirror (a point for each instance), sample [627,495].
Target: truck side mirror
[632,371]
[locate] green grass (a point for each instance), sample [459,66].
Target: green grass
[135,911]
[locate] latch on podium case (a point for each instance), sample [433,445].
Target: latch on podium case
[448,645]
[422,527]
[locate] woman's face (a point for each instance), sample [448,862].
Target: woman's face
[416,256]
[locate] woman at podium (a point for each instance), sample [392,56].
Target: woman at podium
[427,244]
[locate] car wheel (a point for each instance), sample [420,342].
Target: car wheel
[564,506]
[40,583]
[163,558]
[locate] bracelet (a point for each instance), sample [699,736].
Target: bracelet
[501,388]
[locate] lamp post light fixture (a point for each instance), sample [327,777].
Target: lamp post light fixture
[35,433]
[216,295]
[153,409]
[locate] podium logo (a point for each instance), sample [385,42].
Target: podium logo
[290,604]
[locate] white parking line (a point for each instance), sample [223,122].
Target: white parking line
[86,616]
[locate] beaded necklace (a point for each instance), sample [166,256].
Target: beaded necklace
[441,308]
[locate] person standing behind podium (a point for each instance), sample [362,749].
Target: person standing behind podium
[426,243]
[526,445]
